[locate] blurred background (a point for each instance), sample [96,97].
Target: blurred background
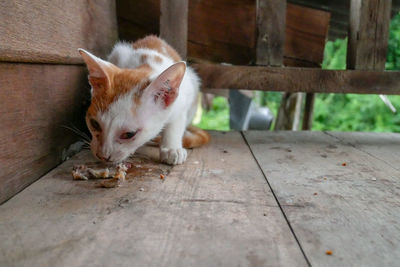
[332,112]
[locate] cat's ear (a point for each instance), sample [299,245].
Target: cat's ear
[99,71]
[165,88]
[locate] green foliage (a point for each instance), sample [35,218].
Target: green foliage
[217,118]
[393,57]
[335,55]
[333,112]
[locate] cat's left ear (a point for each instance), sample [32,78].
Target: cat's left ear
[99,72]
[165,88]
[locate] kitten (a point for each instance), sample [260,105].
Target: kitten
[143,89]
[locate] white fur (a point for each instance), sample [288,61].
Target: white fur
[152,118]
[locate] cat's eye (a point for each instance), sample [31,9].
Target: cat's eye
[95,125]
[127,135]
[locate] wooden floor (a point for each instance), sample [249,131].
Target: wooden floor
[247,199]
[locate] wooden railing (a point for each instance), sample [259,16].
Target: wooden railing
[368,39]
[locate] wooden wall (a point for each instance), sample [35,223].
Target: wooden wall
[43,84]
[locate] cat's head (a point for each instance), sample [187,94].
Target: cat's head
[128,106]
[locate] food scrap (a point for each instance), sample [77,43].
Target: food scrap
[79,172]
[328,252]
[82,172]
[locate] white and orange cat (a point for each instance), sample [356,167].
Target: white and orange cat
[144,89]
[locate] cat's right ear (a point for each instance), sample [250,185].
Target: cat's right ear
[99,72]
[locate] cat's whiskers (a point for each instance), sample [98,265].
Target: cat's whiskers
[83,135]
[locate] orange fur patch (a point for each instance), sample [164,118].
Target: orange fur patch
[121,82]
[157,59]
[155,43]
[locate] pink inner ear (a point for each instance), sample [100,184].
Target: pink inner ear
[167,84]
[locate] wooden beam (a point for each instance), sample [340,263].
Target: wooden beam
[368,34]
[298,79]
[174,24]
[271,21]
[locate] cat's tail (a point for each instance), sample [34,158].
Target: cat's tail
[193,137]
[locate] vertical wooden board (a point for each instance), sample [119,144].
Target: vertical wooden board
[52,31]
[368,34]
[36,101]
[306,32]
[215,210]
[137,19]
[174,24]
[352,210]
[222,30]
[271,21]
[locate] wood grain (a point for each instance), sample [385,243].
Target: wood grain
[298,79]
[222,30]
[136,19]
[174,24]
[271,24]
[306,33]
[215,210]
[351,210]
[368,34]
[51,31]
[36,101]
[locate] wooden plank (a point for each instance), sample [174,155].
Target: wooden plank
[271,23]
[222,30]
[306,34]
[40,31]
[384,147]
[352,210]
[137,19]
[36,101]
[368,34]
[298,79]
[174,24]
[215,210]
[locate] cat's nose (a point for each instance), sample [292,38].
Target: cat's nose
[103,158]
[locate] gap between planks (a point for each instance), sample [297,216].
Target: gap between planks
[277,200]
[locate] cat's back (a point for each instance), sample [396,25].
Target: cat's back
[152,42]
[149,50]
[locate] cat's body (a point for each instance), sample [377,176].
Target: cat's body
[144,89]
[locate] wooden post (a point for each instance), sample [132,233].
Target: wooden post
[271,22]
[308,111]
[368,34]
[174,24]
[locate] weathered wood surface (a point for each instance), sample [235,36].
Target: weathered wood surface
[306,34]
[298,79]
[271,24]
[352,210]
[174,24]
[384,146]
[36,101]
[137,19]
[368,34]
[215,210]
[222,30]
[225,30]
[52,31]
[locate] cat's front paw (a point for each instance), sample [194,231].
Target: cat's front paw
[173,156]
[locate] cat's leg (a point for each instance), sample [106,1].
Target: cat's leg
[171,150]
